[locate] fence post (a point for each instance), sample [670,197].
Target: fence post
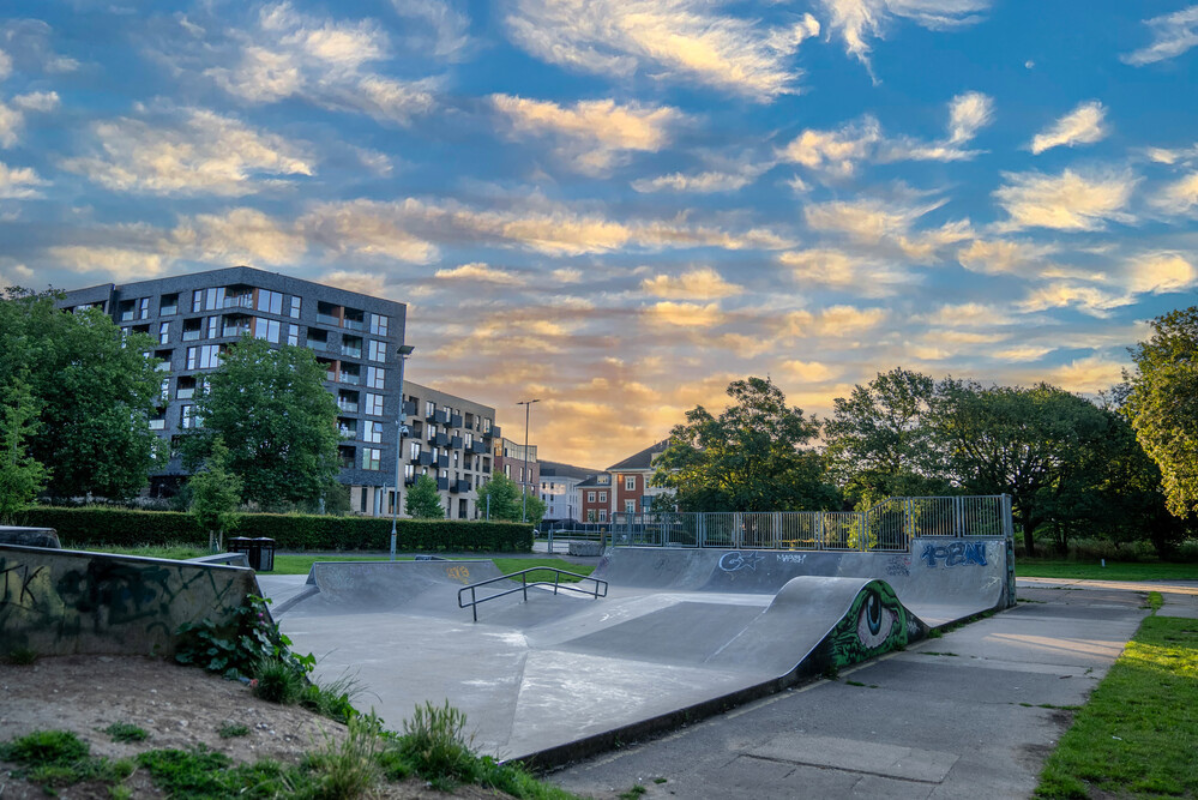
[958,517]
[1006,511]
[820,530]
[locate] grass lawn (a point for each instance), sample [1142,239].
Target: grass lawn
[1136,737]
[1115,571]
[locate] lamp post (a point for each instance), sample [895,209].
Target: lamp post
[525,469]
[405,350]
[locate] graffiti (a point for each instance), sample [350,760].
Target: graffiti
[460,574]
[875,624]
[957,554]
[20,577]
[898,565]
[793,558]
[732,562]
[1011,573]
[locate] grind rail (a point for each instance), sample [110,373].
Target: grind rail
[525,584]
[888,526]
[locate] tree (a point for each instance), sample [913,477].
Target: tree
[96,389]
[752,457]
[880,442]
[500,498]
[271,408]
[216,494]
[1161,405]
[1041,445]
[422,501]
[21,476]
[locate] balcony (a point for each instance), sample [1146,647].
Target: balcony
[439,418]
[347,407]
[443,462]
[158,424]
[410,409]
[409,480]
[456,420]
[353,319]
[235,330]
[478,447]
[316,344]
[192,335]
[347,433]
[456,443]
[494,433]
[460,486]
[425,459]
[239,300]
[440,439]
[328,319]
[351,378]
[352,351]
[185,394]
[163,366]
[443,484]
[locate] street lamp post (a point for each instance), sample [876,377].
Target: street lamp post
[405,351]
[525,469]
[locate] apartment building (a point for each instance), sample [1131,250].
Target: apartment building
[558,486]
[595,498]
[450,439]
[518,463]
[631,477]
[195,317]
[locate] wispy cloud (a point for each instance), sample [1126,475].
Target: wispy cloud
[1159,272]
[864,275]
[834,321]
[680,40]
[19,182]
[686,315]
[481,273]
[707,182]
[1177,197]
[1174,34]
[592,134]
[703,283]
[187,152]
[1071,201]
[1084,125]
[448,34]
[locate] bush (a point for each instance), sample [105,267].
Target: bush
[83,527]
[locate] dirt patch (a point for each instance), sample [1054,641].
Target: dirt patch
[181,708]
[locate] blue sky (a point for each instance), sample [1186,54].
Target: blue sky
[619,206]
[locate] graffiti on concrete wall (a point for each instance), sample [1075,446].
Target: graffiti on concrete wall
[734,561]
[955,554]
[875,624]
[51,601]
[898,566]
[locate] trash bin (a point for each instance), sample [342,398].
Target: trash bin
[242,544]
[264,553]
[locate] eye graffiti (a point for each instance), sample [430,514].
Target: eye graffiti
[876,623]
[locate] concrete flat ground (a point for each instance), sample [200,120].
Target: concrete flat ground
[953,717]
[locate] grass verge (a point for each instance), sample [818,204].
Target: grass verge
[1136,737]
[1114,571]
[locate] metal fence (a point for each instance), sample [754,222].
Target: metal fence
[888,526]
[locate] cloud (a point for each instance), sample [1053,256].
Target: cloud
[1160,272]
[679,40]
[480,273]
[966,315]
[119,263]
[1084,125]
[811,371]
[191,152]
[242,236]
[968,113]
[321,61]
[37,101]
[855,21]
[1023,353]
[702,283]
[1001,257]
[1070,201]
[27,47]
[355,281]
[836,153]
[835,321]
[1177,197]
[593,133]
[1087,299]
[369,228]
[5,65]
[448,27]
[11,121]
[708,182]
[567,275]
[687,315]
[1174,34]
[1090,374]
[18,182]
[868,277]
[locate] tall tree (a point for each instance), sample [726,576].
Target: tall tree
[21,476]
[880,442]
[1161,404]
[271,408]
[753,457]
[500,498]
[216,494]
[422,501]
[96,388]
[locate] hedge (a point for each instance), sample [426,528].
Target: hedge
[81,527]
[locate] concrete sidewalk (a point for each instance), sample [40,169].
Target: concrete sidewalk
[972,714]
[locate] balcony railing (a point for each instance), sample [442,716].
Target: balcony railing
[192,336]
[326,319]
[353,324]
[351,378]
[235,330]
[313,344]
[347,433]
[353,352]
[349,408]
[185,394]
[163,366]
[456,420]
[239,301]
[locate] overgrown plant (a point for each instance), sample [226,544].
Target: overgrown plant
[239,649]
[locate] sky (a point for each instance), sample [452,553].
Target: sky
[617,207]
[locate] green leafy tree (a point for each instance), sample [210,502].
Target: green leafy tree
[272,410]
[500,498]
[880,441]
[21,476]
[422,501]
[216,494]
[96,390]
[753,457]
[1161,405]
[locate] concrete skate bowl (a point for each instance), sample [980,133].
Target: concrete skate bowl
[69,602]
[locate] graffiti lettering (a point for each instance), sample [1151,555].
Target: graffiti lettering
[460,574]
[956,554]
[793,558]
[18,578]
[898,565]
[732,562]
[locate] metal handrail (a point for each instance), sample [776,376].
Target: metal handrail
[525,584]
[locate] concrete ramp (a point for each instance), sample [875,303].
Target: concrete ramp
[426,588]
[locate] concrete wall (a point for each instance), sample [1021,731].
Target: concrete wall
[65,602]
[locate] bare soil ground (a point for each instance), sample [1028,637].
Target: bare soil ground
[181,708]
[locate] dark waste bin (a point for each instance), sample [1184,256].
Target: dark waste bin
[242,544]
[265,550]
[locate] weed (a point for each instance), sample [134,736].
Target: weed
[278,682]
[936,653]
[1060,708]
[935,633]
[635,791]
[348,769]
[229,730]
[236,650]
[433,743]
[21,656]
[126,732]
[660,780]
[204,773]
[1155,601]
[45,748]
[831,672]
[855,683]
[335,699]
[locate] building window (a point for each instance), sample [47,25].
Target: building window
[188,418]
[169,305]
[267,329]
[487,425]
[414,450]
[631,483]
[376,351]
[164,390]
[374,432]
[203,357]
[268,301]
[507,471]
[294,335]
[375,404]
[371,457]
[591,497]
[164,333]
[631,506]
[375,377]
[604,515]
[294,311]
[430,408]
[591,515]
[214,327]
[379,325]
[604,497]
